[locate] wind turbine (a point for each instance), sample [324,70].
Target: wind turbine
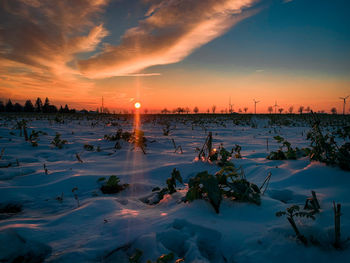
[344,103]
[255,102]
[275,106]
[230,106]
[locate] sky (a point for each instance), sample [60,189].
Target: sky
[176,53]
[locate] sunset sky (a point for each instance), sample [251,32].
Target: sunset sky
[171,53]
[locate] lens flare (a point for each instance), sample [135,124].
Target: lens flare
[137,105]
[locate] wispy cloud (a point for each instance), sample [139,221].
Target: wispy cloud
[172,30]
[39,40]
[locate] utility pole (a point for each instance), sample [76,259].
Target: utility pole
[255,102]
[275,106]
[102,108]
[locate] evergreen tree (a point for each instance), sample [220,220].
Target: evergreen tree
[17,107]
[9,106]
[28,106]
[2,106]
[38,105]
[66,109]
[46,106]
[52,109]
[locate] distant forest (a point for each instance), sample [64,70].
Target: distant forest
[39,107]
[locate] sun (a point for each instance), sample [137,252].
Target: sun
[137,105]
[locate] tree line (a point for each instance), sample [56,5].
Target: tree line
[39,107]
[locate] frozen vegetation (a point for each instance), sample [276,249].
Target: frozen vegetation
[179,188]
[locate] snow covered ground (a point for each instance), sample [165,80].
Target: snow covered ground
[52,227]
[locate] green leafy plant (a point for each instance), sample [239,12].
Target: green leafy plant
[220,156]
[205,186]
[112,186]
[170,189]
[325,149]
[139,140]
[58,142]
[229,182]
[171,182]
[294,211]
[286,151]
[22,127]
[34,137]
[234,185]
[237,149]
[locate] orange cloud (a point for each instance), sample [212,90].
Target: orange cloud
[45,35]
[169,33]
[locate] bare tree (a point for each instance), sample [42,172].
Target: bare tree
[280,110]
[165,111]
[301,109]
[308,109]
[290,110]
[179,110]
[240,110]
[187,110]
[334,110]
[213,108]
[195,110]
[270,109]
[245,109]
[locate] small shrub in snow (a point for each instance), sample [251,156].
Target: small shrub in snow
[171,182]
[58,142]
[205,186]
[170,189]
[112,186]
[294,211]
[237,149]
[166,129]
[136,138]
[324,147]
[139,140]
[228,182]
[22,127]
[34,137]
[221,156]
[88,147]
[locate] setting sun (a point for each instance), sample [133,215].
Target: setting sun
[137,105]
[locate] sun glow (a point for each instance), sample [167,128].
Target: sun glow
[137,105]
